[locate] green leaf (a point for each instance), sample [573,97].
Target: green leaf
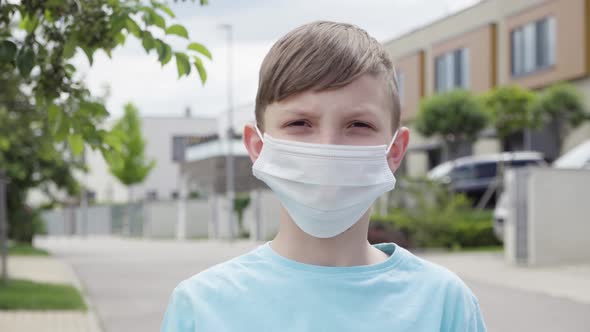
[153,18]
[108,52]
[158,21]
[164,8]
[113,140]
[164,52]
[47,151]
[7,51]
[182,64]
[89,54]
[147,41]
[70,47]
[201,70]
[4,144]
[178,30]
[118,22]
[48,15]
[133,28]
[120,38]
[94,109]
[29,24]
[25,61]
[63,128]
[70,69]
[76,144]
[200,48]
[53,112]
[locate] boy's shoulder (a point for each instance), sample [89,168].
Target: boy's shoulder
[224,275]
[423,272]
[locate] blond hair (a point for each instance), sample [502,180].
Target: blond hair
[320,56]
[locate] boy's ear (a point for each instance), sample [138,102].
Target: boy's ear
[398,149]
[252,141]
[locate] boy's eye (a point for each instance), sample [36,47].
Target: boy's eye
[360,125]
[297,123]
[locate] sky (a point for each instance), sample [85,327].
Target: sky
[137,77]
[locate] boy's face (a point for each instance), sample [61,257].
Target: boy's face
[356,114]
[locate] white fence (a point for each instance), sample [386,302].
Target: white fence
[204,218]
[549,216]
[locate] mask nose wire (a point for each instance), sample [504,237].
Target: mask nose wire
[392,141]
[258,132]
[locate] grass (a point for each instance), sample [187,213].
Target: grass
[20,294]
[21,249]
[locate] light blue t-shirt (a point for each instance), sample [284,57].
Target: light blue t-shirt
[264,291]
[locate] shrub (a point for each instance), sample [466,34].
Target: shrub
[434,217]
[456,117]
[449,230]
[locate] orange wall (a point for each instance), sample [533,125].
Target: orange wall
[480,43]
[412,67]
[571,55]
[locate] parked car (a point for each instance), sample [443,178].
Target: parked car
[473,175]
[576,158]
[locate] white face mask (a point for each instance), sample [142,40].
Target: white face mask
[325,188]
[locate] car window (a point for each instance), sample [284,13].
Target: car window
[464,172]
[485,170]
[524,162]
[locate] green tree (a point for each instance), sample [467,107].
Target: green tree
[31,157]
[45,108]
[241,203]
[561,109]
[129,164]
[456,117]
[509,108]
[39,38]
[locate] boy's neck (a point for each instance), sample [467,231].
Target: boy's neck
[350,248]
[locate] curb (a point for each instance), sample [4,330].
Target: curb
[95,323]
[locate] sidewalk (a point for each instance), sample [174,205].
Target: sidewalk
[566,281]
[46,269]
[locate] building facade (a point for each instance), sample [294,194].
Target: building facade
[531,43]
[165,139]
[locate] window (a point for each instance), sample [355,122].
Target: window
[152,195]
[486,170]
[533,46]
[90,196]
[178,147]
[462,173]
[400,87]
[452,70]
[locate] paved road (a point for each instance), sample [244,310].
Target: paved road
[129,282]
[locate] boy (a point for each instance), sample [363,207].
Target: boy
[327,140]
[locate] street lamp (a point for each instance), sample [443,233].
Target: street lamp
[229,158]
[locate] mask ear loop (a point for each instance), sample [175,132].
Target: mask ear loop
[392,141]
[258,132]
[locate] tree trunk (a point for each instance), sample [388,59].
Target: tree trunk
[127,228]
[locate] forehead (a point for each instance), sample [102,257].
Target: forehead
[367,94]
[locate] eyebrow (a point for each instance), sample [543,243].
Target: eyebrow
[302,113]
[358,112]
[361,112]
